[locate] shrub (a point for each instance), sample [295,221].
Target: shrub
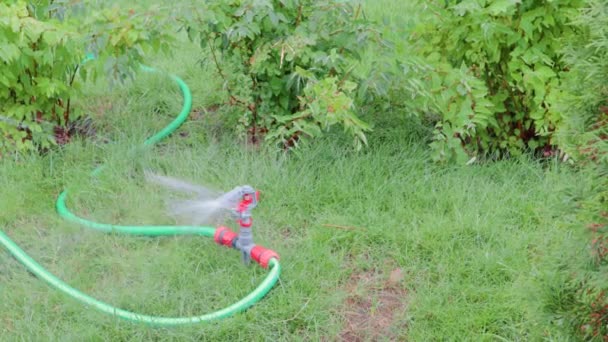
[120,38]
[583,98]
[39,62]
[289,66]
[42,47]
[494,68]
[583,135]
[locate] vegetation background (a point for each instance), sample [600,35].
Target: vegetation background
[431,170]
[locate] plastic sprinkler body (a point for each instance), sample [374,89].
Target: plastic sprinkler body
[243,241]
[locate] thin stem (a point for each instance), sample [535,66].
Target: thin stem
[217,64]
[299,17]
[222,75]
[357,12]
[66,115]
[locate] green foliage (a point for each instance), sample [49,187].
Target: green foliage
[583,100]
[38,63]
[290,67]
[583,134]
[121,38]
[496,66]
[42,47]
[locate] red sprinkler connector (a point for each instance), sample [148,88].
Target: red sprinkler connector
[262,255]
[224,236]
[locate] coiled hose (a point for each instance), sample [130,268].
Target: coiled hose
[243,304]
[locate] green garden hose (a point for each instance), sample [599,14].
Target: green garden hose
[64,212]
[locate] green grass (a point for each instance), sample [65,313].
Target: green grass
[470,240]
[477,244]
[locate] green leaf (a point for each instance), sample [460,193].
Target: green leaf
[9,52]
[349,86]
[15,24]
[498,7]
[52,37]
[276,85]
[544,72]
[466,6]
[284,102]
[33,29]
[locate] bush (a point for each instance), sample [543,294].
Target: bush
[583,100]
[583,134]
[39,64]
[290,67]
[494,66]
[42,47]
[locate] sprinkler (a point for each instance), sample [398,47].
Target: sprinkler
[239,201]
[244,240]
[208,204]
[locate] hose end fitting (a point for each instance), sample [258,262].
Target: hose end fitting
[224,236]
[262,255]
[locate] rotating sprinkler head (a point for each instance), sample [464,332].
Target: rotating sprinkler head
[210,205]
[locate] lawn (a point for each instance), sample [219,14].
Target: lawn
[378,244]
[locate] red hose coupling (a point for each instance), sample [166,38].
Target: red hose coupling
[262,255]
[224,236]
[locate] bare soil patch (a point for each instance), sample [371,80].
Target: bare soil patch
[374,303]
